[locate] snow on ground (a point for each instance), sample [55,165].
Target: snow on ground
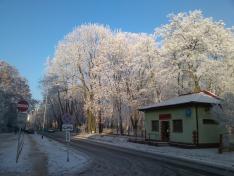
[104,138]
[39,157]
[8,165]
[207,156]
[57,157]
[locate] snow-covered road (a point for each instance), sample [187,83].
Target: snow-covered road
[39,157]
[208,156]
[112,160]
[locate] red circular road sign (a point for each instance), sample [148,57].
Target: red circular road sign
[22,106]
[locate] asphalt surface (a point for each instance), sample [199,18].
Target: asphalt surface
[112,161]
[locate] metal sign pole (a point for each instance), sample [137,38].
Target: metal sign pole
[18,146]
[44,116]
[67,142]
[67,127]
[22,106]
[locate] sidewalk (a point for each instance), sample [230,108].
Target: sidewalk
[39,157]
[8,165]
[203,156]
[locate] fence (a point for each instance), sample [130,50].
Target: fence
[151,136]
[226,142]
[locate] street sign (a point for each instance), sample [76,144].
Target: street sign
[68,136]
[67,127]
[22,106]
[21,119]
[188,112]
[67,119]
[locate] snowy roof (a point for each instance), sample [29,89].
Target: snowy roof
[203,97]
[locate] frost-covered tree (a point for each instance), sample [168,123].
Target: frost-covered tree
[196,48]
[107,75]
[61,98]
[13,87]
[73,61]
[125,66]
[224,113]
[114,52]
[114,73]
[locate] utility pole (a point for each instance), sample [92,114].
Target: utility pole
[45,110]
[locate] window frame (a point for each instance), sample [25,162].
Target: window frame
[209,122]
[153,127]
[177,129]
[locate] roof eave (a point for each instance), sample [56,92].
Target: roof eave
[174,106]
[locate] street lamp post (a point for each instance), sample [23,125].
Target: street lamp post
[44,117]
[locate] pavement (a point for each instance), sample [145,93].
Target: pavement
[36,166]
[115,160]
[39,157]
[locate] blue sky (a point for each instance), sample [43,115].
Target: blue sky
[30,29]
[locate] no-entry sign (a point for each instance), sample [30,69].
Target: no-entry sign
[22,106]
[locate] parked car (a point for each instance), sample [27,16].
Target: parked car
[51,130]
[30,131]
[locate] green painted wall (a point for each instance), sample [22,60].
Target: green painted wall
[207,133]
[189,125]
[149,116]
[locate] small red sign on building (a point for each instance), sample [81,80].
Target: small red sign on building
[164,116]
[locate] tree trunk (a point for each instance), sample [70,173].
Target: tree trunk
[60,123]
[100,127]
[120,118]
[91,122]
[134,122]
[197,87]
[60,103]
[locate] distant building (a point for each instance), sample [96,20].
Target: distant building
[184,120]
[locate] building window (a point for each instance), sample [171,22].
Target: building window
[207,109]
[178,126]
[210,121]
[155,125]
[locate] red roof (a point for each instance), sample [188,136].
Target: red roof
[210,94]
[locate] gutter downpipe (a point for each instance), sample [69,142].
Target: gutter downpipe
[197,125]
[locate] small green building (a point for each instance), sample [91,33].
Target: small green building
[185,120]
